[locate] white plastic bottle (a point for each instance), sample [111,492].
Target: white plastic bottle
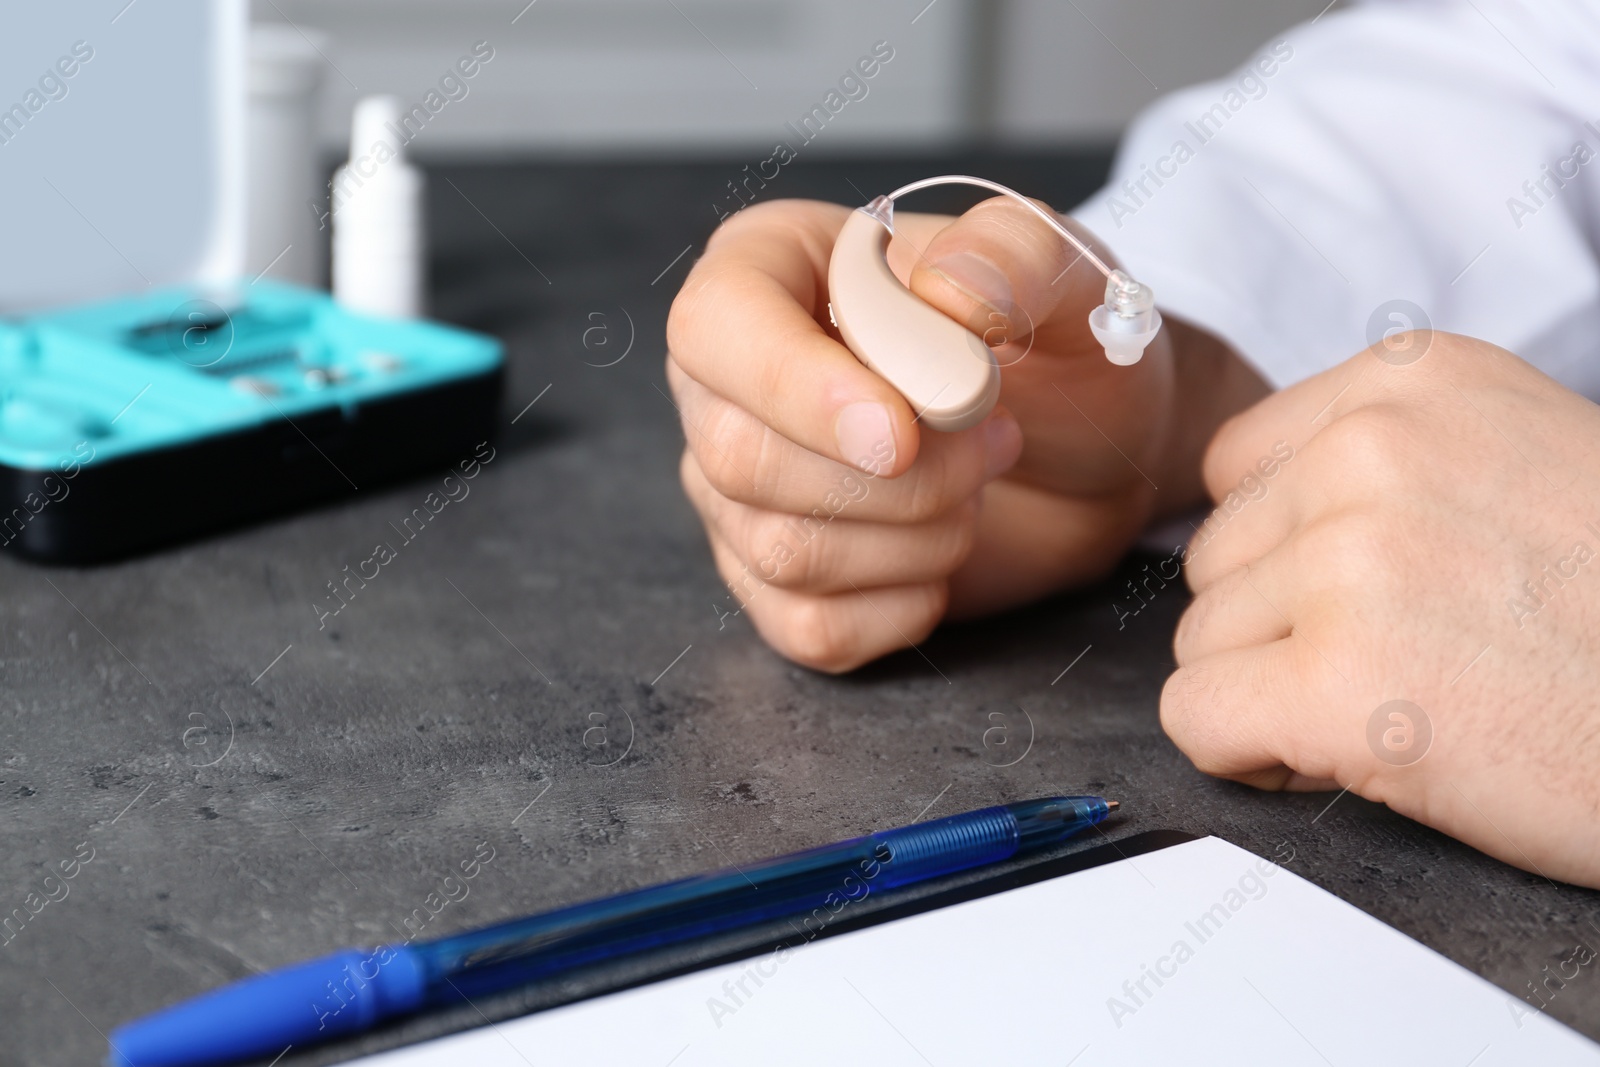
[285,175]
[379,243]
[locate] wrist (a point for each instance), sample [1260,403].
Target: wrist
[1212,383]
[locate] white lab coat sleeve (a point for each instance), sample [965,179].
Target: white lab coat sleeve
[1432,160]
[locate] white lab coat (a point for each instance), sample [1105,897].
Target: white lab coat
[1441,153]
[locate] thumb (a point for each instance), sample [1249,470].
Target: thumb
[1004,274]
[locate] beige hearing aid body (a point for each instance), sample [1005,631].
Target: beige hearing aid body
[945,371]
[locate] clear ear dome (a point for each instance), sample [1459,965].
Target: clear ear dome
[1124,339]
[1127,322]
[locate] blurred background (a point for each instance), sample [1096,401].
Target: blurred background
[695,77]
[585,99]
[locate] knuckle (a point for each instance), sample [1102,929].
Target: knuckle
[960,537]
[721,444]
[1188,700]
[1200,567]
[688,315]
[769,541]
[931,486]
[1190,626]
[719,472]
[816,633]
[1369,448]
[1207,763]
[1215,465]
[783,213]
[924,493]
[691,478]
[952,540]
[1490,357]
[773,388]
[709,504]
[1459,353]
[771,460]
[1178,695]
[1346,553]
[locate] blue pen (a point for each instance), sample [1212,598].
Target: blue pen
[353,990]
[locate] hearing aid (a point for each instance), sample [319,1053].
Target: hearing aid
[948,375]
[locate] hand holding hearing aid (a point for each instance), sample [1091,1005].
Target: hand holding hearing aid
[846,525]
[948,373]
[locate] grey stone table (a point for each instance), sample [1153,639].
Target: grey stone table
[542,678]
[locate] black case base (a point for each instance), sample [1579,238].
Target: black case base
[117,508]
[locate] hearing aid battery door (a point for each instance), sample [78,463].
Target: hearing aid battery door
[945,371]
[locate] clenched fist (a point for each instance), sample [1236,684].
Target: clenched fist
[846,529]
[1412,608]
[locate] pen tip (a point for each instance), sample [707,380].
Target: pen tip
[1112,805]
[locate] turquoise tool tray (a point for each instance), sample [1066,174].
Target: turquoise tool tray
[226,406]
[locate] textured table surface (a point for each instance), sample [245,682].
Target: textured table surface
[543,675]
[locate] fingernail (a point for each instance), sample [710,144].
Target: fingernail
[978,277]
[1002,446]
[865,434]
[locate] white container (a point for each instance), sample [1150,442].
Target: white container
[127,171]
[379,243]
[287,198]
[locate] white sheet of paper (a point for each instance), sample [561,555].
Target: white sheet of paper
[1059,973]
